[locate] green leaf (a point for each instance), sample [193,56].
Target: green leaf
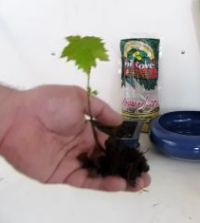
[84,51]
[91,92]
[95,93]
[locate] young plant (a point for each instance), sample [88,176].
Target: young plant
[85,51]
[120,157]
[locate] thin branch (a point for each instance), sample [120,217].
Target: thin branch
[98,145]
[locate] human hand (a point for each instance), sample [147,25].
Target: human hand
[49,131]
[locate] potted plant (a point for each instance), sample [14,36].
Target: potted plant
[121,155]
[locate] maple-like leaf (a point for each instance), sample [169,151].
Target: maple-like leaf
[85,51]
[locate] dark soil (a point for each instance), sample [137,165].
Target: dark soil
[117,159]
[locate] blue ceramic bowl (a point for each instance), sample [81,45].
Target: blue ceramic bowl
[177,134]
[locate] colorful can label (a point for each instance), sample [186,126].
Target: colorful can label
[140,57]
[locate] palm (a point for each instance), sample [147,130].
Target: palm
[49,133]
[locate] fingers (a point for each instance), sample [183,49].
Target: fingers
[111,183]
[80,178]
[101,110]
[147,179]
[141,182]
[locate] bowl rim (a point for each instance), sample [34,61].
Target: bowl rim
[156,126]
[174,144]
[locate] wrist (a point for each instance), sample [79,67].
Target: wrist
[7,110]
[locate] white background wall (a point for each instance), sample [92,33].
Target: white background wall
[31,30]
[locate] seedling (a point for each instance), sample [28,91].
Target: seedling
[120,156]
[85,51]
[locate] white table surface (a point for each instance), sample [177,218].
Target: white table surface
[174,196]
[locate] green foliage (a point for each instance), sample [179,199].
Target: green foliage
[92,92]
[84,51]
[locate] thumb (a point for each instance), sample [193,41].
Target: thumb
[103,112]
[100,110]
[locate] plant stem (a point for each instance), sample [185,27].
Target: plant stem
[90,115]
